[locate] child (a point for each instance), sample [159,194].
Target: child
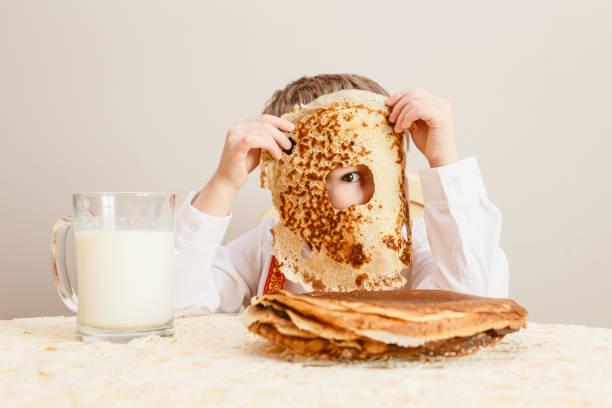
[454,247]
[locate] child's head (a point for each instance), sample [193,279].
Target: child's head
[304,90]
[347,185]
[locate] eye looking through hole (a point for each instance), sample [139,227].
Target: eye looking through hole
[348,186]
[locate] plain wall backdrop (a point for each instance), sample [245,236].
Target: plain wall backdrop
[138,95]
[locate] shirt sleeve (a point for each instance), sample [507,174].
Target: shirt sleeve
[208,277]
[456,244]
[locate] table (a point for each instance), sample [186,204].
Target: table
[215,361]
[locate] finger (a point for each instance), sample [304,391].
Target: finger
[263,141]
[279,137]
[420,111]
[279,123]
[398,123]
[410,110]
[272,147]
[396,97]
[252,159]
[417,92]
[400,106]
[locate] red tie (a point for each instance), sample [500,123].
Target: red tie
[275,280]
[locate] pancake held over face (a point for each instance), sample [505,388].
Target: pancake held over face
[360,247]
[360,324]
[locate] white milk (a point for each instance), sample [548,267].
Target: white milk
[124,278]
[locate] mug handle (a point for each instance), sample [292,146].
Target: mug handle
[60,274]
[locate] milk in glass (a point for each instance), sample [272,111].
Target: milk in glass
[124,278]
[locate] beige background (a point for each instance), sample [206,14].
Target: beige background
[138,96]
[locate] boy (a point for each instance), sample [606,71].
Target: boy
[454,247]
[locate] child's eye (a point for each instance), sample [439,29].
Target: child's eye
[351,177]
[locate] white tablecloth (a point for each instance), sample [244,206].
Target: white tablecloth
[215,361]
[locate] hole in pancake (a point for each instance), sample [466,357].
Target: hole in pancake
[290,150]
[348,186]
[405,232]
[306,250]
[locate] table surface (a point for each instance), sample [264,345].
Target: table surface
[214,360]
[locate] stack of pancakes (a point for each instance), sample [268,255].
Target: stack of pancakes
[365,324]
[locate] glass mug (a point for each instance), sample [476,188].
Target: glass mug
[124,244]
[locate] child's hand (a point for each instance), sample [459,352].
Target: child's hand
[430,120]
[243,146]
[240,156]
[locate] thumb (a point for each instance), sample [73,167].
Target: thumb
[418,132]
[252,159]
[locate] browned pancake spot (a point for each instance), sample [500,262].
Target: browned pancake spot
[360,279]
[357,256]
[316,283]
[389,241]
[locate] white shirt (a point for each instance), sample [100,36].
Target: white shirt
[454,247]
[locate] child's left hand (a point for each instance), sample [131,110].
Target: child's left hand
[430,120]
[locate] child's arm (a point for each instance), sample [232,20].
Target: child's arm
[208,277]
[456,246]
[211,278]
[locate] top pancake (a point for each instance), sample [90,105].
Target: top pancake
[412,303]
[358,247]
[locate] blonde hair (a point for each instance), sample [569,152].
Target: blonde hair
[306,89]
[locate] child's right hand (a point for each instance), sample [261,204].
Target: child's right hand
[243,146]
[240,156]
